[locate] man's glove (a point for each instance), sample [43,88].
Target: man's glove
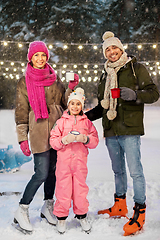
[74,83]
[81,138]
[68,139]
[128,94]
[25,148]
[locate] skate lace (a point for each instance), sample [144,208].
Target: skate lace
[50,206]
[25,213]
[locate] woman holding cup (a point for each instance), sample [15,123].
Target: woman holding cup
[40,100]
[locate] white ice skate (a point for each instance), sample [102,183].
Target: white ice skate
[85,225]
[21,218]
[61,226]
[47,212]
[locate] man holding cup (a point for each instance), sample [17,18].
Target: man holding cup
[122,119]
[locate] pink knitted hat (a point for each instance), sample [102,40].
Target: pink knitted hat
[37,46]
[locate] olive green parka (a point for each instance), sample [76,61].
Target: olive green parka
[129,120]
[39,131]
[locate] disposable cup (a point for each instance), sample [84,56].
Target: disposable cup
[69,76]
[115,92]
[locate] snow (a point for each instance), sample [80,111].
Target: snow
[101,189]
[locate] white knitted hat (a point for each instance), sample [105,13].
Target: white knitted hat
[77,94]
[109,40]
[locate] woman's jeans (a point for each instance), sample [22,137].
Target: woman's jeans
[129,146]
[44,167]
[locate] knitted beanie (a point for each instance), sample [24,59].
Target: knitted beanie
[77,94]
[37,46]
[109,40]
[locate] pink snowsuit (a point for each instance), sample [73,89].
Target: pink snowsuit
[71,168]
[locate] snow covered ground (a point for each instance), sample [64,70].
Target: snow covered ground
[101,184]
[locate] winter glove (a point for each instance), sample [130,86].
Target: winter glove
[128,94]
[74,83]
[68,139]
[82,138]
[25,148]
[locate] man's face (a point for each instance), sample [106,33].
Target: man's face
[113,53]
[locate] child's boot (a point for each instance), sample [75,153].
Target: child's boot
[137,221]
[119,208]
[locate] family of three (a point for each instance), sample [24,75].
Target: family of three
[60,134]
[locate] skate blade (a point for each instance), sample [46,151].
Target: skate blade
[26,232]
[134,233]
[88,231]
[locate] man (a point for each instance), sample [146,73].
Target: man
[122,120]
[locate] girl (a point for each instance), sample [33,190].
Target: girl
[71,136]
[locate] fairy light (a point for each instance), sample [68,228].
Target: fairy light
[95,47]
[63,71]
[125,46]
[12,63]
[80,47]
[74,66]
[95,66]
[89,79]
[157,63]
[54,65]
[87,71]
[65,47]
[95,71]
[79,71]
[140,46]
[5,43]
[22,64]
[95,79]
[2,63]
[64,66]
[154,46]
[50,46]
[20,45]
[85,66]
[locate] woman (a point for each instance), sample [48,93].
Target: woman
[40,101]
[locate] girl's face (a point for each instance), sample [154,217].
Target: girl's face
[39,60]
[75,107]
[113,53]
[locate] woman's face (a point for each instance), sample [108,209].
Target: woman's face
[75,107]
[113,53]
[39,60]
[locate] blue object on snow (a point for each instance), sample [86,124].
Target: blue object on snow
[11,160]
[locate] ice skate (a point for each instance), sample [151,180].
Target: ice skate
[85,225]
[47,212]
[21,219]
[135,223]
[61,226]
[119,208]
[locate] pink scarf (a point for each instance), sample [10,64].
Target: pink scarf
[36,79]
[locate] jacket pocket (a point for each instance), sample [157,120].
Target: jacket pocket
[133,115]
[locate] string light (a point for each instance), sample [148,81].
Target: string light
[11,68]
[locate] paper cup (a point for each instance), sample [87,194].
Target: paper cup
[115,92]
[69,76]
